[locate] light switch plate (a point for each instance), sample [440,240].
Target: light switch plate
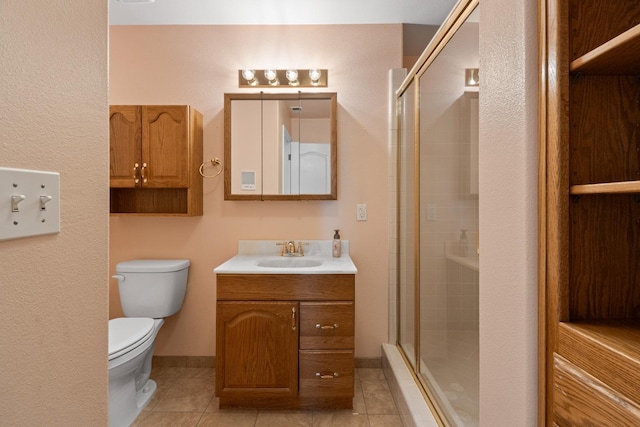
[29,203]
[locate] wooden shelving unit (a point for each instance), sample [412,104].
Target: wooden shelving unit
[590,213]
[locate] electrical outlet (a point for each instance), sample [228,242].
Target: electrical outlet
[361,212]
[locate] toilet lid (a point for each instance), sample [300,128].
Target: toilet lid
[127,333]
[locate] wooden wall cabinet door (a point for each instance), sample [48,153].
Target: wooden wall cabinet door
[165,146]
[259,340]
[155,155]
[125,145]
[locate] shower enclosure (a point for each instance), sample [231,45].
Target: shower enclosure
[437,199]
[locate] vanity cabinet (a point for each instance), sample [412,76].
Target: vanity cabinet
[155,155]
[285,340]
[590,213]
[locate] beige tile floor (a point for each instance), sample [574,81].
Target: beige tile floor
[185,398]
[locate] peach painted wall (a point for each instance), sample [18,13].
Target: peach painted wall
[196,65]
[508,212]
[53,288]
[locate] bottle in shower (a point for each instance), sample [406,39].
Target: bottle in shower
[463,244]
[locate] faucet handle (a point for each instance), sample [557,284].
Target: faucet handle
[284,247]
[300,244]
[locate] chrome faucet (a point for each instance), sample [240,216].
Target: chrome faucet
[289,248]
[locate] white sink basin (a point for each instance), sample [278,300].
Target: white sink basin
[289,263]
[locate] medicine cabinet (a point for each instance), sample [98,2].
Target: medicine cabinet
[280,146]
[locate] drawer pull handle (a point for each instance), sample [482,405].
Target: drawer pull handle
[327,376]
[334,326]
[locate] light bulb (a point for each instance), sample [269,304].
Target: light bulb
[292,76]
[250,77]
[314,75]
[272,77]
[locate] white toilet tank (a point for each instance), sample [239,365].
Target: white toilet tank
[152,287]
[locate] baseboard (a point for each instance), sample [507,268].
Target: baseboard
[184,361]
[210,362]
[368,362]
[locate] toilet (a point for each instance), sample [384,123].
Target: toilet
[150,290]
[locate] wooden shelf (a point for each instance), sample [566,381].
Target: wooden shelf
[609,349]
[606,188]
[617,56]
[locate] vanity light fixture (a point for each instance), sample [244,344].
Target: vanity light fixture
[471,77]
[282,78]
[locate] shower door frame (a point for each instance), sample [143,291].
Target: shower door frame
[458,16]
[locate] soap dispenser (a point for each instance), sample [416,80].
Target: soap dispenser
[463,244]
[336,247]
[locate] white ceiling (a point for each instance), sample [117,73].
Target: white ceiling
[279,12]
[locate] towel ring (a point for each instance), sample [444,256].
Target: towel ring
[214,162]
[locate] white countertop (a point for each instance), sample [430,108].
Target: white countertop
[253,252]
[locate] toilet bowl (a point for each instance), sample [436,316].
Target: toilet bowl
[150,290]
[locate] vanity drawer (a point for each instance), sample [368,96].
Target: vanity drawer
[325,325]
[326,373]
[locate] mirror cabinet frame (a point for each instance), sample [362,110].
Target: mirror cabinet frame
[261,96]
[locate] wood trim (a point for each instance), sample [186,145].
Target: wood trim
[543,61]
[553,190]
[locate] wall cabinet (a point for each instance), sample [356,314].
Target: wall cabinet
[590,213]
[285,341]
[155,155]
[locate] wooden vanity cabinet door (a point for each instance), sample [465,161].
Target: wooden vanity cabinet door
[125,139]
[260,342]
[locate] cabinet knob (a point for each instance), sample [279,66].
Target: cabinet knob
[334,326]
[327,376]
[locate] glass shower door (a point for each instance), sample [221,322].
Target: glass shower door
[407,226]
[448,223]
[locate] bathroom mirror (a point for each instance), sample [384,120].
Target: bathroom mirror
[280,146]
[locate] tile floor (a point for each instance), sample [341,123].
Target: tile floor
[185,397]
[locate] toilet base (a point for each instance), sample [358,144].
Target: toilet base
[144,395]
[130,388]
